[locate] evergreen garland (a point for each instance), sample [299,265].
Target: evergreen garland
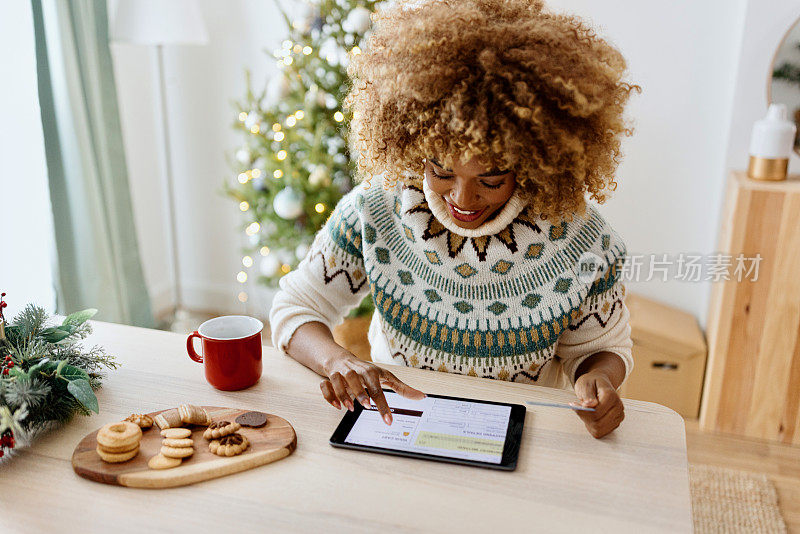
[46,375]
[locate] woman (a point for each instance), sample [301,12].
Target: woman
[489,121]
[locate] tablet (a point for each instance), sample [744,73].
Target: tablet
[447,429]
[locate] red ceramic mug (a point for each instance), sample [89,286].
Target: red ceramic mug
[231,351]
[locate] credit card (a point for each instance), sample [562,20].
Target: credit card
[560,405]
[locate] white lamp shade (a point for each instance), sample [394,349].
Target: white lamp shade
[156,22]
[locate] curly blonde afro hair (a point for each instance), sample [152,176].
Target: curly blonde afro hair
[521,88]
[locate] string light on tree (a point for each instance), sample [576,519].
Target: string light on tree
[311,166]
[247,261]
[241,277]
[242,296]
[244,205]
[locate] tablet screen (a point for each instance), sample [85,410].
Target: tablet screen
[443,427]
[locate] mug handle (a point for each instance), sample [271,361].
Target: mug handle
[190,347]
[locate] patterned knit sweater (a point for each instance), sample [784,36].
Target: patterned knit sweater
[505,300]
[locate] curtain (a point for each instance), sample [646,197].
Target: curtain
[98,264]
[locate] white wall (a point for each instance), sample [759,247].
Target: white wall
[202,82]
[762,34]
[684,54]
[26,221]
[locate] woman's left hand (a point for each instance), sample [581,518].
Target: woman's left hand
[594,390]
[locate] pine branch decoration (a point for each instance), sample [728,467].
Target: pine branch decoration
[46,375]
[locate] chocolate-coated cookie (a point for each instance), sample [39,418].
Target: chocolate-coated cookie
[252,419]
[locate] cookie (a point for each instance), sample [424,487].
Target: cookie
[193,415]
[144,421]
[119,436]
[178,443]
[252,419]
[169,419]
[115,458]
[229,445]
[120,449]
[177,452]
[219,429]
[176,433]
[159,461]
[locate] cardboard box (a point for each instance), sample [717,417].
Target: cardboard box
[669,353]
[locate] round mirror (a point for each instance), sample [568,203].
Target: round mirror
[784,84]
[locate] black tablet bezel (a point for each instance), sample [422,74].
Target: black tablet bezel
[516,422]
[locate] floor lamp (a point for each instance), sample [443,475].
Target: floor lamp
[158,23]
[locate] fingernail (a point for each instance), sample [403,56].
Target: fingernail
[350,405]
[364,401]
[387,418]
[337,405]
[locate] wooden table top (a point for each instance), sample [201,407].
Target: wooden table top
[633,480]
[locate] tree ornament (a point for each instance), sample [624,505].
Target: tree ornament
[288,203]
[301,251]
[312,19]
[285,256]
[343,183]
[358,21]
[243,156]
[315,96]
[269,265]
[319,177]
[251,120]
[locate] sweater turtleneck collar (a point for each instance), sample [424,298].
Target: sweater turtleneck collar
[507,213]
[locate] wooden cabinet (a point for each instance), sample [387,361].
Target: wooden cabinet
[752,384]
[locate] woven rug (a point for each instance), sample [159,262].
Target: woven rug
[728,501]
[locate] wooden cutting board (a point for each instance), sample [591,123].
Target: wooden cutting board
[269,443]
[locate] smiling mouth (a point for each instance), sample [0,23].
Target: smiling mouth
[464,215]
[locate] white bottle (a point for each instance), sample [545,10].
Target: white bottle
[771,144]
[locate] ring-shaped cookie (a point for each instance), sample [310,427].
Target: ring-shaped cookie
[115,458]
[119,434]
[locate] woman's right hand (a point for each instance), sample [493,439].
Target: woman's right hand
[349,377]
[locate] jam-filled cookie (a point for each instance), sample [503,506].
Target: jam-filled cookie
[230,445]
[220,429]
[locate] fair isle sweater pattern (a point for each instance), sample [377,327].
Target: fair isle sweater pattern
[492,305]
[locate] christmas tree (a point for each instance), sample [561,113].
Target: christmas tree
[295,164]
